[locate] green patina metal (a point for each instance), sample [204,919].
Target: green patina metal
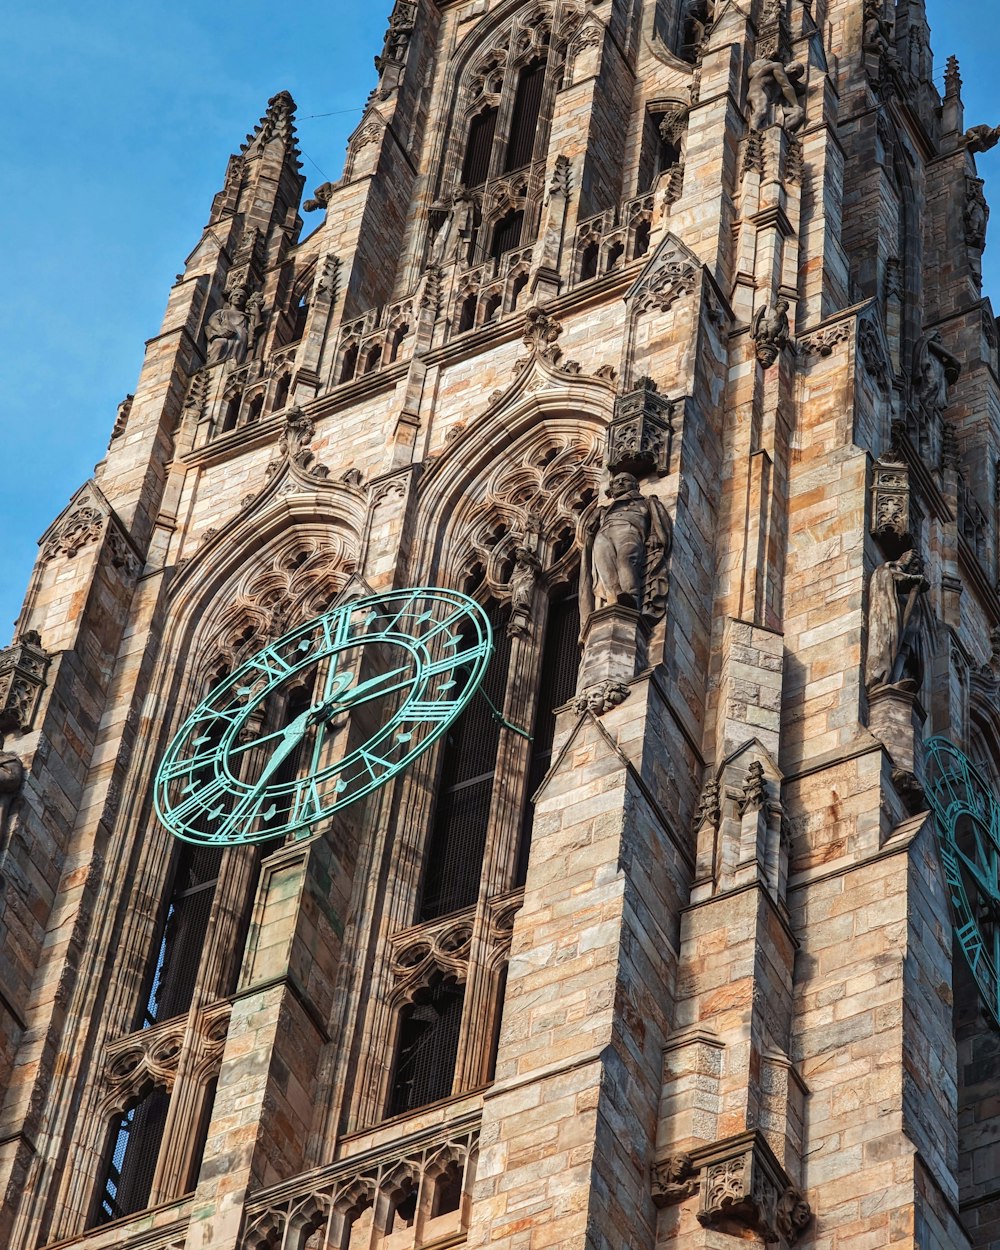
[967,813]
[410,660]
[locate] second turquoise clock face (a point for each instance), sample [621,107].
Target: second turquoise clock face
[400,667]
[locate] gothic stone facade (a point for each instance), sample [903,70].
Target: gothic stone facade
[735,251]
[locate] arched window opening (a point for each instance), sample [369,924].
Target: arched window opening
[447,1191]
[615,254]
[358,1228]
[403,1208]
[230,414]
[130,1158]
[467,317]
[255,409]
[479,148]
[492,308]
[373,358]
[507,233]
[427,1049]
[520,282]
[350,364]
[589,261]
[524,122]
[642,232]
[560,666]
[281,392]
[458,838]
[396,342]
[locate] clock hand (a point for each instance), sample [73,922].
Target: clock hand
[372,688]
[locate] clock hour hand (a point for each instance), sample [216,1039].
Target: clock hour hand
[374,687]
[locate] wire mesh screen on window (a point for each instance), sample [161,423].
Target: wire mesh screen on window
[479,149]
[560,667]
[183,934]
[427,1049]
[130,1159]
[458,840]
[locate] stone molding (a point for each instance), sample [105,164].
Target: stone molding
[23,669]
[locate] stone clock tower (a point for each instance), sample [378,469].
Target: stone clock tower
[656,327]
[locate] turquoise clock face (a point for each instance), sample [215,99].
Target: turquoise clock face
[967,813]
[362,691]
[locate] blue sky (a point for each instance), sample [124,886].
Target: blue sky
[125,116]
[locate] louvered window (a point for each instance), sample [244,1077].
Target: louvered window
[427,1049]
[131,1156]
[458,839]
[524,123]
[479,148]
[560,666]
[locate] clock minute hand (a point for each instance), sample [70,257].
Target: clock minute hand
[369,689]
[291,737]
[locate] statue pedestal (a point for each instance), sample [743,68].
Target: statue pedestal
[615,646]
[896,718]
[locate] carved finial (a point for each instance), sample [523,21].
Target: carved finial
[754,789]
[278,122]
[709,807]
[952,80]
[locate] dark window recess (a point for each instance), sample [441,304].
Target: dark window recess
[468,316]
[299,324]
[560,665]
[495,1043]
[204,1124]
[458,839]
[507,234]
[230,415]
[350,364]
[281,392]
[447,1192]
[479,148]
[590,261]
[183,934]
[130,1159]
[427,1049]
[524,123]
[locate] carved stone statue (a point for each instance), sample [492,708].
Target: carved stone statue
[232,330]
[976,214]
[892,599]
[698,22]
[11,780]
[771,82]
[934,370]
[602,698]
[527,569]
[625,556]
[982,138]
[674,1179]
[794,1214]
[770,332]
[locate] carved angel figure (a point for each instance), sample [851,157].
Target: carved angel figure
[892,599]
[527,569]
[625,557]
[233,329]
[770,80]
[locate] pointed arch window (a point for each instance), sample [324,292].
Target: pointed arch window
[507,233]
[427,1049]
[130,1158]
[479,148]
[527,109]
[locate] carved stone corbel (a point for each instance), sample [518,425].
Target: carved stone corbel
[674,1179]
[744,1185]
[23,668]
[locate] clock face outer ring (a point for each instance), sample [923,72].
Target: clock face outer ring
[962,798]
[441,634]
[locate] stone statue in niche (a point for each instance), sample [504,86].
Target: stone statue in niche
[935,369]
[698,22]
[625,556]
[232,330]
[892,599]
[527,570]
[770,332]
[11,780]
[770,83]
[976,214]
